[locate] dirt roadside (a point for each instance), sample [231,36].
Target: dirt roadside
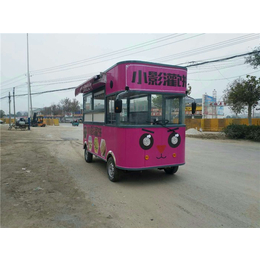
[36,189]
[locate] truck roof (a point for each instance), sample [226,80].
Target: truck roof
[101,79]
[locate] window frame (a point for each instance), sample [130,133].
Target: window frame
[107,110]
[94,111]
[165,96]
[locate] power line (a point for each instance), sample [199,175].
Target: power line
[198,64]
[11,82]
[5,82]
[43,92]
[225,78]
[119,56]
[204,49]
[207,48]
[218,60]
[111,53]
[60,82]
[67,78]
[71,88]
[213,69]
[53,82]
[160,46]
[14,86]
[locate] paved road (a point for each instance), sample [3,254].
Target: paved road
[219,186]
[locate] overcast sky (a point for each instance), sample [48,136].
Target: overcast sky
[87,54]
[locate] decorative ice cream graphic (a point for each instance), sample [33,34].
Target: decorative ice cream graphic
[90,143]
[96,145]
[103,148]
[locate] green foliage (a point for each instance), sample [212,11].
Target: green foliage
[241,94]
[2,113]
[251,132]
[65,105]
[254,59]
[157,101]
[235,131]
[74,105]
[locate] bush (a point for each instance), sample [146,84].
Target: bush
[235,131]
[251,132]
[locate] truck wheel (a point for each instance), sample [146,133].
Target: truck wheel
[171,170]
[88,156]
[112,172]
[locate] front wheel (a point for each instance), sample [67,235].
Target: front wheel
[171,170]
[88,156]
[112,172]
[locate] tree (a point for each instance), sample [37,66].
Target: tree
[74,106]
[66,105]
[243,94]
[2,113]
[254,58]
[56,109]
[18,114]
[157,101]
[46,111]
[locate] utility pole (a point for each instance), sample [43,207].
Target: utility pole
[14,104]
[9,110]
[29,85]
[215,103]
[31,100]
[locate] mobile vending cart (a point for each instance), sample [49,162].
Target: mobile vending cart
[134,117]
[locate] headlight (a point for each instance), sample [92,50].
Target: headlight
[174,140]
[146,141]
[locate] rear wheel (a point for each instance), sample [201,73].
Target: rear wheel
[171,170]
[112,172]
[88,156]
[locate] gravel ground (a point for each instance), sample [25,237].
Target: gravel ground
[36,189]
[192,132]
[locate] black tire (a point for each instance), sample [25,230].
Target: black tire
[112,172]
[88,156]
[171,170]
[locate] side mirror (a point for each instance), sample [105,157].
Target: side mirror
[193,107]
[118,106]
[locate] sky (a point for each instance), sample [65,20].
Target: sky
[93,53]
[59,60]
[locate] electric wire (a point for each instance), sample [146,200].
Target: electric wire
[111,53]
[213,69]
[223,59]
[211,47]
[253,72]
[17,86]
[58,70]
[5,82]
[192,65]
[67,78]
[43,92]
[208,48]
[72,88]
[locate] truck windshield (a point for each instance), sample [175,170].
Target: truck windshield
[147,109]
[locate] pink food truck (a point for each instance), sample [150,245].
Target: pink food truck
[133,116]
